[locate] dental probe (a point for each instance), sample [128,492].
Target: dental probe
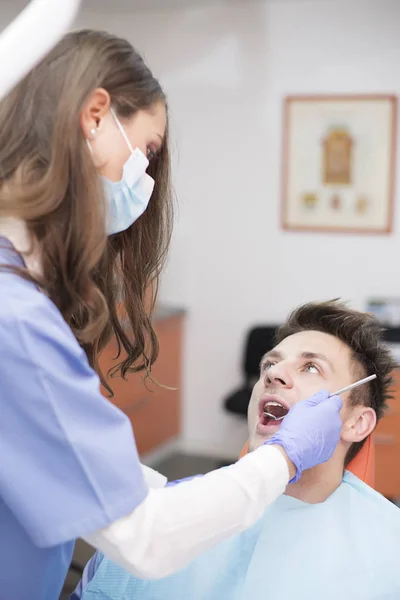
[345,389]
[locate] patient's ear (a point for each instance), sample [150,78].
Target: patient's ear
[359,424]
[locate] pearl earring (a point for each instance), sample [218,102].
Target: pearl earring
[93,133]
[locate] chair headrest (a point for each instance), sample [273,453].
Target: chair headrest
[259,341]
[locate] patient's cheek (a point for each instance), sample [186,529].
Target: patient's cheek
[346,410]
[256,394]
[252,412]
[258,389]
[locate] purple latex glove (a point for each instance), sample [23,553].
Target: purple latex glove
[310,431]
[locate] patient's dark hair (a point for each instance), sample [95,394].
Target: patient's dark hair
[364,335]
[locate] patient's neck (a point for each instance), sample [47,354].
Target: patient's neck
[317,484]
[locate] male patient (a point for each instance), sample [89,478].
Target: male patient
[330,536]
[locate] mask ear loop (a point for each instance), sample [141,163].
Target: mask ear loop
[122,130]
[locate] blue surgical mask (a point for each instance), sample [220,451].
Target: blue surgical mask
[128,198]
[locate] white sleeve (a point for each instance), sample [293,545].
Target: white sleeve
[153,478]
[175,524]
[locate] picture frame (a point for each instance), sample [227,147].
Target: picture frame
[338,163]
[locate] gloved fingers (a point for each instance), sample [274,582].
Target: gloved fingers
[317,398]
[336,401]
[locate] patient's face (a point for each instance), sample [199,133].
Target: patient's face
[301,365]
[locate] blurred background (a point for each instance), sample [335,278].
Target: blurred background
[227,67]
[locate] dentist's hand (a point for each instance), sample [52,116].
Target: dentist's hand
[310,431]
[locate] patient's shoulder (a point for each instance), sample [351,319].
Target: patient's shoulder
[88,574]
[366,494]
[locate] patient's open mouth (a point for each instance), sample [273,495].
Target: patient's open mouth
[272,413]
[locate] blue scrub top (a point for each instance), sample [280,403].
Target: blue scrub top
[68,459]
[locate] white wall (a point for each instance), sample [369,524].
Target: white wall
[226,69]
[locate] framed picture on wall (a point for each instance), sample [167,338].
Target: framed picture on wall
[338,163]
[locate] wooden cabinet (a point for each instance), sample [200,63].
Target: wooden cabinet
[153,409]
[387,443]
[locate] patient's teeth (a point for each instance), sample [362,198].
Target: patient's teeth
[275,410]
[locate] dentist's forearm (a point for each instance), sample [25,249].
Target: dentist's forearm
[174,525]
[291,467]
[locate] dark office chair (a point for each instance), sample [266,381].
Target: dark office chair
[75,567]
[259,341]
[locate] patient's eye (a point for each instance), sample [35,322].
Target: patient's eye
[311,368]
[267,364]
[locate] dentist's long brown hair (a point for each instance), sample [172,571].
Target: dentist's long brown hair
[48,179]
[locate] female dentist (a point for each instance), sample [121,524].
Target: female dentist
[83,147]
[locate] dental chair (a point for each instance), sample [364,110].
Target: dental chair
[362,466]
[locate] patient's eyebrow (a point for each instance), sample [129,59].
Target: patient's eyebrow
[317,356]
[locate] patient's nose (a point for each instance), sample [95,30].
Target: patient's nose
[278,376]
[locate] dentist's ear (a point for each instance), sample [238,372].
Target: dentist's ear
[359,424]
[96,108]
